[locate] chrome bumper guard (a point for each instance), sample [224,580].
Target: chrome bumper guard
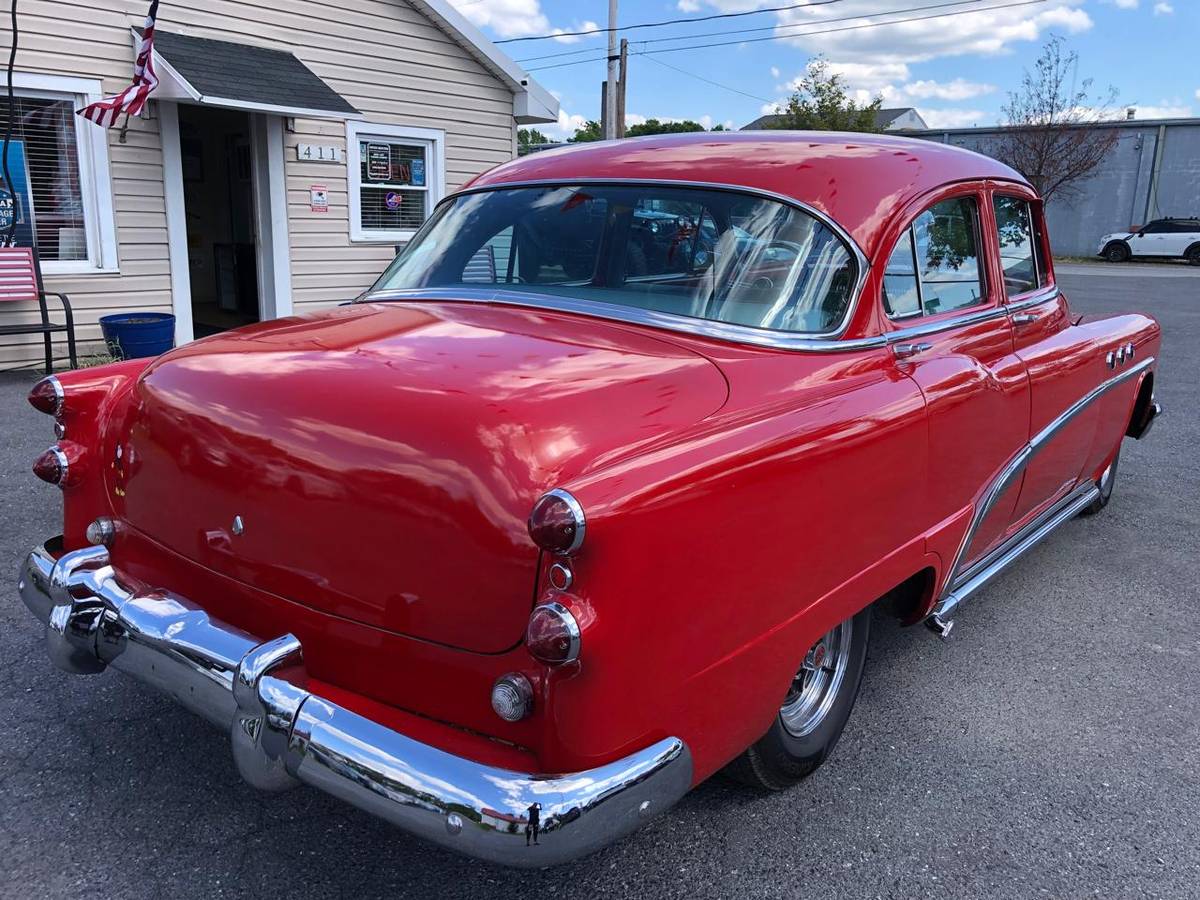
[283,734]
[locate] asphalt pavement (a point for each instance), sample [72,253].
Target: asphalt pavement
[1051,748]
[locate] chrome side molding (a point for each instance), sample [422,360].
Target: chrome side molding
[940,620]
[953,593]
[283,735]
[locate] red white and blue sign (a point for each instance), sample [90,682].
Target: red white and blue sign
[22,209]
[393,200]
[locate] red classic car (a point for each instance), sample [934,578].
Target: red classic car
[591,495]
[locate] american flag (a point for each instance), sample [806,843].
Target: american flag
[131,100]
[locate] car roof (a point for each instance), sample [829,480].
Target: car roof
[858,180]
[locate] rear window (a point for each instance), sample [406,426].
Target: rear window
[706,254]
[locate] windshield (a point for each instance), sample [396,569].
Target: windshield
[702,253]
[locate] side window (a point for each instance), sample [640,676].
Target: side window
[1154,228]
[948,256]
[935,266]
[1018,248]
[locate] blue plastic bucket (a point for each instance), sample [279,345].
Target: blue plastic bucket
[135,335]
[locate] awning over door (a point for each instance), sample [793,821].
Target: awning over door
[241,76]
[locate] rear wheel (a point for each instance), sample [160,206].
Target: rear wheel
[1117,252]
[813,713]
[1192,255]
[1106,483]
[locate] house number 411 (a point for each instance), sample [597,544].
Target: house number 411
[318,153]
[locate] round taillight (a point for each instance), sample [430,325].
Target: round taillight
[52,466]
[47,396]
[556,523]
[552,635]
[512,697]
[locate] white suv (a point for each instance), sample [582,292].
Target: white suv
[1169,238]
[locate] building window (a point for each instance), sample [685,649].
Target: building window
[65,163]
[396,177]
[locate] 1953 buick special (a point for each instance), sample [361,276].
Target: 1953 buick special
[591,495]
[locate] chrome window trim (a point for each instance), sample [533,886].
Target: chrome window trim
[703,328]
[1036,298]
[1015,466]
[744,334]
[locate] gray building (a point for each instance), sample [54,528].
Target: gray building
[1152,172]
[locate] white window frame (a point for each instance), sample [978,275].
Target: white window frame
[95,181]
[435,176]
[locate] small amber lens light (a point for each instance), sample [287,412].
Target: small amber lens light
[552,635]
[556,523]
[51,466]
[47,396]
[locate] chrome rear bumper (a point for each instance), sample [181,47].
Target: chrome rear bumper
[283,734]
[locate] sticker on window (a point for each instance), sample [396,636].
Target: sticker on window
[393,200]
[418,172]
[379,162]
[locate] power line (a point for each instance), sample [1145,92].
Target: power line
[779,37]
[752,12]
[708,80]
[776,27]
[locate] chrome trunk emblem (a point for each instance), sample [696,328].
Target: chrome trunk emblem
[238,525]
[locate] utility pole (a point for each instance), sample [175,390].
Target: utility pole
[621,88]
[610,91]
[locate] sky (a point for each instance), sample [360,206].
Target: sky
[953,62]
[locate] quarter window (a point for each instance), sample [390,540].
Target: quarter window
[935,266]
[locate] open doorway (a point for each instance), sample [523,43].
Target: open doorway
[217,160]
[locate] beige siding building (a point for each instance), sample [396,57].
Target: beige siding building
[288,150]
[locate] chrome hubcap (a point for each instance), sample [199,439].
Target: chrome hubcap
[818,682]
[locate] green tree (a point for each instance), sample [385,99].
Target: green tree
[529,136]
[589,132]
[654,126]
[821,103]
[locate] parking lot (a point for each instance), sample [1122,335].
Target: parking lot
[1050,748]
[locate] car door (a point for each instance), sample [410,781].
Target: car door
[953,338]
[1150,241]
[1178,237]
[1061,359]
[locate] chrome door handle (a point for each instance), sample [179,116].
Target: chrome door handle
[904,351]
[1024,318]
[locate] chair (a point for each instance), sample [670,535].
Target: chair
[21,279]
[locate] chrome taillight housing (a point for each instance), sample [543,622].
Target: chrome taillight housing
[557,524]
[48,396]
[60,464]
[553,635]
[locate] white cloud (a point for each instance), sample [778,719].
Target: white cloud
[1163,9]
[985,31]
[565,127]
[515,18]
[775,72]
[1164,110]
[958,89]
[1198,93]
[1123,4]
[573,38]
[953,118]
[688,6]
